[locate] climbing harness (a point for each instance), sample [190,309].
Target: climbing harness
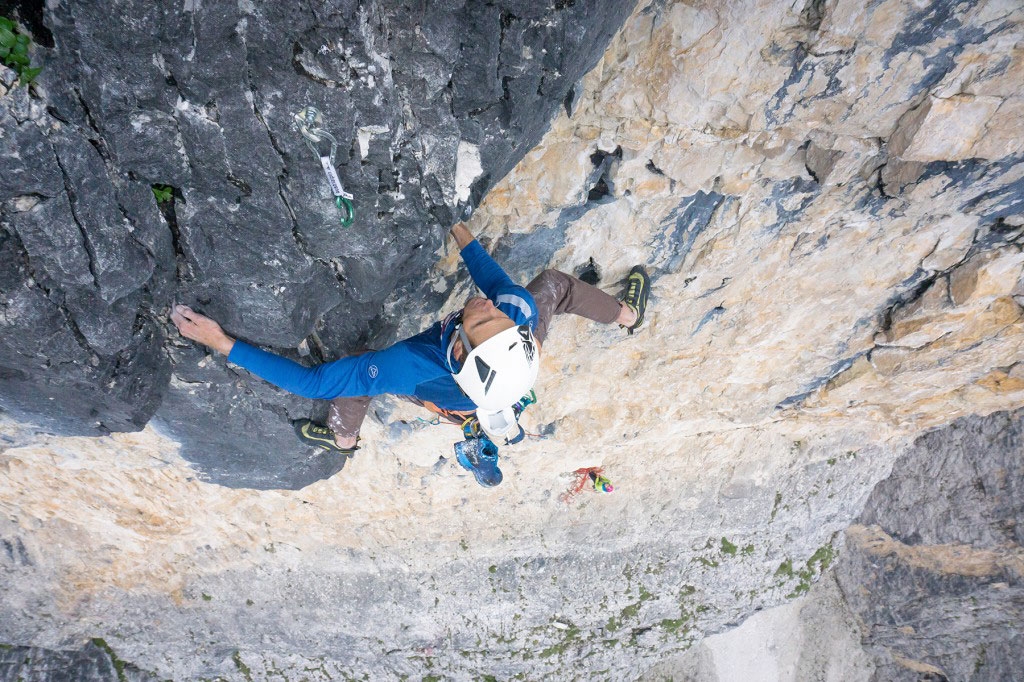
[501,425]
[471,428]
[594,475]
[310,122]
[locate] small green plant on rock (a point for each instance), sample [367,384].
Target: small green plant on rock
[570,637]
[775,507]
[673,625]
[823,557]
[163,193]
[119,665]
[815,566]
[241,666]
[14,51]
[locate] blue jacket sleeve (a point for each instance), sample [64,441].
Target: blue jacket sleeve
[486,273]
[513,300]
[374,373]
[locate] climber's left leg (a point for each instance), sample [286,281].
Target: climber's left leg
[346,416]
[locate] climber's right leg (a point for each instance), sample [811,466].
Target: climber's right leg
[556,293]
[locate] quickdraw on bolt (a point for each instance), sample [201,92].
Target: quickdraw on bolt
[310,122]
[524,402]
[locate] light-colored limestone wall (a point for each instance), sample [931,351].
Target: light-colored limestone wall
[829,198]
[813,638]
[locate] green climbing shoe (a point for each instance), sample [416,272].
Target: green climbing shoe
[311,433]
[638,289]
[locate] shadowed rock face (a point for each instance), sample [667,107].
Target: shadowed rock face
[431,103]
[934,565]
[95,662]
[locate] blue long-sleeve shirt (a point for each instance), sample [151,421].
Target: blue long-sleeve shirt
[417,366]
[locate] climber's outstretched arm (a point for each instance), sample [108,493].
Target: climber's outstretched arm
[393,370]
[492,280]
[200,328]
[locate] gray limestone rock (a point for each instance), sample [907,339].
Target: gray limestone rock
[95,661]
[933,569]
[201,98]
[927,585]
[398,571]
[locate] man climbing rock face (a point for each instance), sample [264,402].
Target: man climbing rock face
[475,364]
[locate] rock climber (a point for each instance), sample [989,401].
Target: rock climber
[470,368]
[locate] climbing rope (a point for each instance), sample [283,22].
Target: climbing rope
[310,122]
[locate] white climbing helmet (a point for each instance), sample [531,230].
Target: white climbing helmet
[500,370]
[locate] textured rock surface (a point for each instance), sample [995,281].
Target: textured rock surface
[813,638]
[94,661]
[754,177]
[928,585]
[400,566]
[935,566]
[431,104]
[832,278]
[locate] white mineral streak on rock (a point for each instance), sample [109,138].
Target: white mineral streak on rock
[440,159]
[467,169]
[367,133]
[801,332]
[139,121]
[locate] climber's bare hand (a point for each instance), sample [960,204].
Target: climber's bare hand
[200,328]
[461,234]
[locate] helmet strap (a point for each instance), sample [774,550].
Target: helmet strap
[451,344]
